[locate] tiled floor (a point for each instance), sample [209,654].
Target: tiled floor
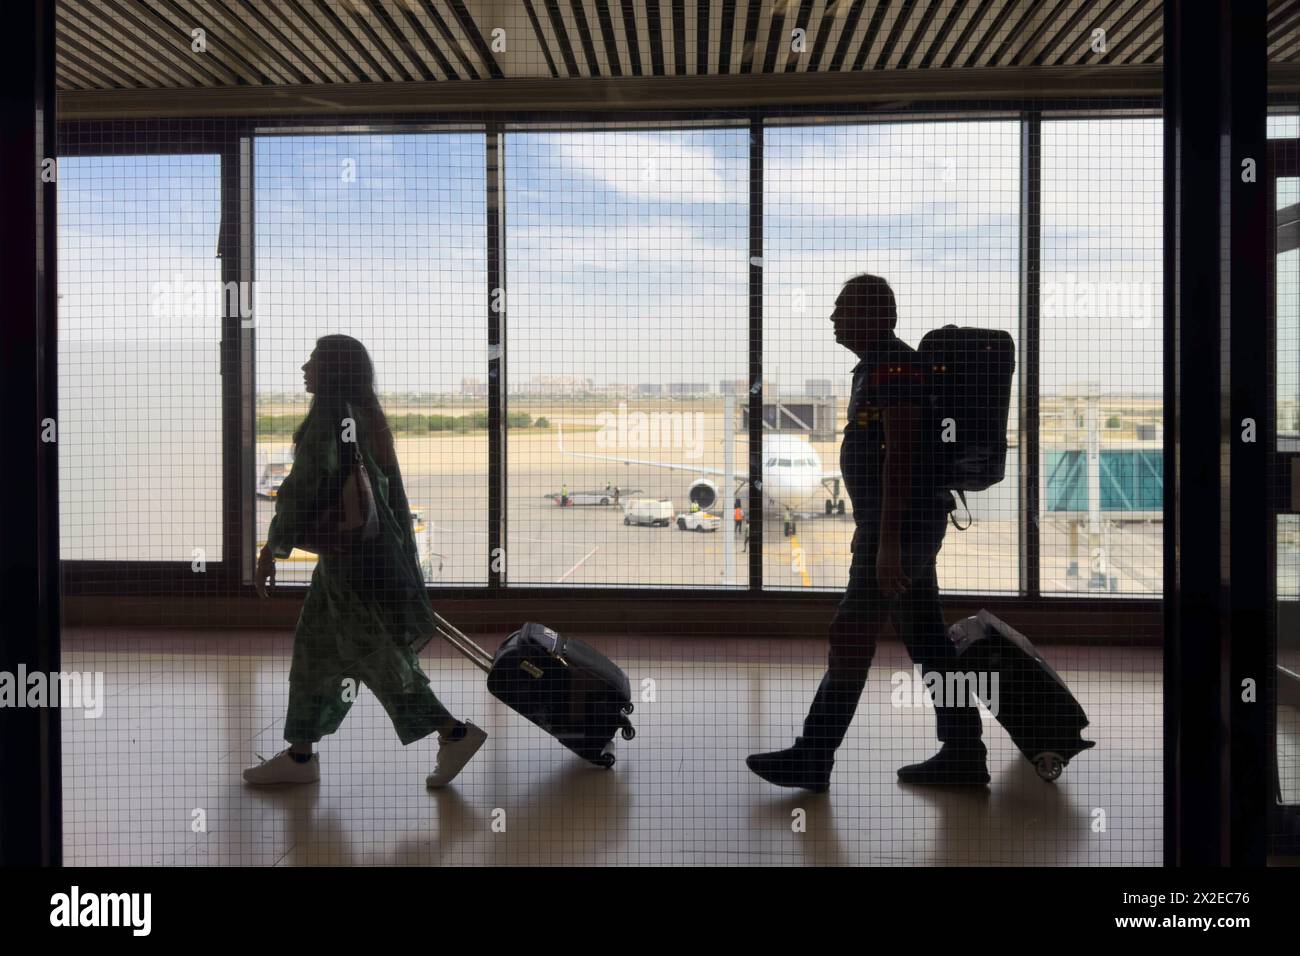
[156,778]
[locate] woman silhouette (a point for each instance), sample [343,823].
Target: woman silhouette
[367,614]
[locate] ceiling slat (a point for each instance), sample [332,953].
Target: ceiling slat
[563,42]
[343,35]
[614,56]
[772,37]
[654,37]
[1149,50]
[917,36]
[412,15]
[545,36]
[627,27]
[471,28]
[1062,32]
[84,49]
[238,56]
[586,41]
[748,37]
[678,36]
[298,48]
[1113,22]
[1150,30]
[421,59]
[768,10]
[1118,47]
[301,43]
[730,40]
[871,35]
[102,31]
[189,68]
[362,18]
[251,33]
[990,36]
[1018,30]
[819,39]
[339,60]
[76,55]
[144,44]
[899,33]
[844,41]
[971,23]
[704,61]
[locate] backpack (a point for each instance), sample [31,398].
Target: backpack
[968,400]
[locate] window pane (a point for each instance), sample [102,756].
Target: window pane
[627,355]
[933,208]
[383,238]
[1283,126]
[139,426]
[1102,360]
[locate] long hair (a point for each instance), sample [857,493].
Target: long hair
[345,374]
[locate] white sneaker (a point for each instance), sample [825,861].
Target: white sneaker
[283,769]
[454,754]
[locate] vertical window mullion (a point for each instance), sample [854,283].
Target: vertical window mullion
[497,304]
[1031,157]
[755,353]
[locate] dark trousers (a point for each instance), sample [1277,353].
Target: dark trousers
[917,615]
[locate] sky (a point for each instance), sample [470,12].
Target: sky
[626,252]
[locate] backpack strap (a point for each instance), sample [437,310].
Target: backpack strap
[953,517]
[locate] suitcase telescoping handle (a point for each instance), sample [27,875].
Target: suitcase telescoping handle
[458,639]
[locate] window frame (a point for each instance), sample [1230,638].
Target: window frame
[232,139]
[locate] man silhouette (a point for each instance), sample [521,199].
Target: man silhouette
[900,521]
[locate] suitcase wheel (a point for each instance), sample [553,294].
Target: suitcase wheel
[628,732]
[627,709]
[1049,765]
[605,760]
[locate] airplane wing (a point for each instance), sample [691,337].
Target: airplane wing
[694,469]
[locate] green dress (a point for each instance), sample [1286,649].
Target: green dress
[367,614]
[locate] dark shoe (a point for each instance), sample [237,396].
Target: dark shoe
[955,765]
[793,767]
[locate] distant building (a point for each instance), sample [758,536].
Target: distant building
[646,388]
[473,387]
[567,385]
[682,389]
[819,387]
[733,386]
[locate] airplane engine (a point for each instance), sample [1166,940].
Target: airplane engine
[703,492]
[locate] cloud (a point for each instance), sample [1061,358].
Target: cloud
[966,170]
[680,166]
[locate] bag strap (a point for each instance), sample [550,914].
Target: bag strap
[953,518]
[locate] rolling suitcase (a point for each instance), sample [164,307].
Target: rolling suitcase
[1033,704]
[572,691]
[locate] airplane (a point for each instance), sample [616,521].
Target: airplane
[792,474]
